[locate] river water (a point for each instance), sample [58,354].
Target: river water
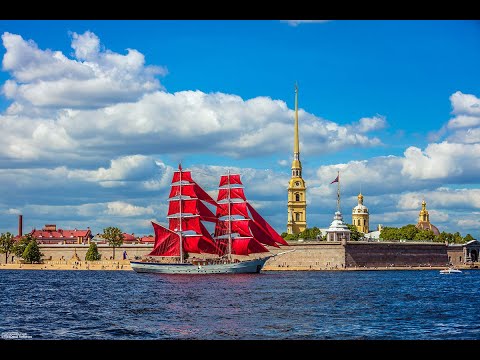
[120,305]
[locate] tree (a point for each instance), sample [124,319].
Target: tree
[22,244]
[425,234]
[7,245]
[390,233]
[466,239]
[408,232]
[32,253]
[355,235]
[457,238]
[445,237]
[114,236]
[92,253]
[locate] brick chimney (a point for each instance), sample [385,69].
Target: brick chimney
[20,225]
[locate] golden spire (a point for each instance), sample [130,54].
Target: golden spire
[296,146]
[296,164]
[360,199]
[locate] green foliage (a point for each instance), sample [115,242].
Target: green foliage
[425,234]
[408,232]
[92,253]
[114,236]
[310,233]
[457,238]
[32,253]
[7,244]
[355,235]
[22,244]
[307,234]
[466,239]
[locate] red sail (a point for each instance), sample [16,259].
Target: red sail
[199,244]
[243,246]
[230,179]
[235,209]
[186,176]
[167,243]
[192,223]
[202,195]
[247,227]
[187,190]
[235,193]
[191,206]
[266,226]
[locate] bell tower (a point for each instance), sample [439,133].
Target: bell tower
[297,202]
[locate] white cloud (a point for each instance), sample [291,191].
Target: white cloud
[181,122]
[120,208]
[465,104]
[365,125]
[298,22]
[442,161]
[465,126]
[96,78]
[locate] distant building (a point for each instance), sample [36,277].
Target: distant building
[360,216]
[460,254]
[129,238]
[147,239]
[424,220]
[338,230]
[297,190]
[51,235]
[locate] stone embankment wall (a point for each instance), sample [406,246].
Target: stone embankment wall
[307,255]
[66,252]
[392,254]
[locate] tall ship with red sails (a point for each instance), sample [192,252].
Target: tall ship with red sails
[239,231]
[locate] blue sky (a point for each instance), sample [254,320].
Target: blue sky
[92,130]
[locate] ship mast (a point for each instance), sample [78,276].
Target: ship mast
[180,202]
[229,220]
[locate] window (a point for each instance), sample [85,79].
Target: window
[297,197]
[297,216]
[364,222]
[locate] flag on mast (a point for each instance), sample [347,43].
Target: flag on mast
[336,179]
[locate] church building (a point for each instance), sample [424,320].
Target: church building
[297,202]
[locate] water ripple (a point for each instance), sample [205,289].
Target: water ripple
[358,305]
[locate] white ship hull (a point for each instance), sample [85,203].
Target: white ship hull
[243,267]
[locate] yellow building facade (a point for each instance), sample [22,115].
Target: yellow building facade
[297,190]
[360,216]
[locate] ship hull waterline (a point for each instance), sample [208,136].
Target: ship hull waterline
[242,267]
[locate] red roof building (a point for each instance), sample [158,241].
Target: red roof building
[51,235]
[147,239]
[129,238]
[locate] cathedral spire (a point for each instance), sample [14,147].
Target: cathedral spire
[297,202]
[296,164]
[296,145]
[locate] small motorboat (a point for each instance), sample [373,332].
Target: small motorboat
[450,271]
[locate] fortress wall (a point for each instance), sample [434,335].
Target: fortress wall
[311,255]
[67,251]
[381,254]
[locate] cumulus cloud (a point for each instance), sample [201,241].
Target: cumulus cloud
[120,208]
[443,161]
[185,121]
[464,127]
[298,22]
[94,78]
[365,125]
